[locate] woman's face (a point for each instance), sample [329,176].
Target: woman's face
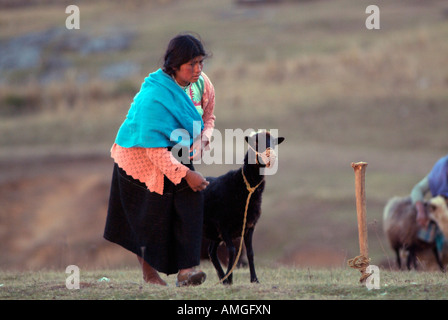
[190,71]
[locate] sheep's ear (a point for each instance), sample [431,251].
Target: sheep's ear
[279,140]
[250,138]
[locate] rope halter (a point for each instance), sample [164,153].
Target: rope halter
[268,156]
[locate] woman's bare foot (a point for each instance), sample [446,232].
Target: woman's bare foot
[150,275]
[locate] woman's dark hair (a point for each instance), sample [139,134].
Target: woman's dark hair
[181,49]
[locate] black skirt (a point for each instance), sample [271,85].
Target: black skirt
[165,230]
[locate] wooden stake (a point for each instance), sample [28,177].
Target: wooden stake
[361,262]
[360,189]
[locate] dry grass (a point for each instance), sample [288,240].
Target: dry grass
[279,283]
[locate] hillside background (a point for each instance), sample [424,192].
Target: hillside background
[338,92]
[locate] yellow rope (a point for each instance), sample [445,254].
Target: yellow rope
[361,263]
[251,191]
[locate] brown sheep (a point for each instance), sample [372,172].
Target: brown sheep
[400,227]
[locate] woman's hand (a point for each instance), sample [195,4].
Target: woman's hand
[196,180]
[196,149]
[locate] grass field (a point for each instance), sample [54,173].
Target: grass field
[338,92]
[279,283]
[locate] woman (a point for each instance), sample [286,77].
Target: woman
[435,182]
[156,207]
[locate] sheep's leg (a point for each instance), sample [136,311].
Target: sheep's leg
[439,262]
[213,254]
[231,252]
[411,259]
[414,258]
[250,254]
[397,253]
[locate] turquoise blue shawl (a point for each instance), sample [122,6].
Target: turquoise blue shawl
[159,108]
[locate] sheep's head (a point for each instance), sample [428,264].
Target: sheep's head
[262,145]
[439,212]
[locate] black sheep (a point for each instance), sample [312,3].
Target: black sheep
[225,202]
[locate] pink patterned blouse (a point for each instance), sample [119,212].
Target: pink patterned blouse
[149,165]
